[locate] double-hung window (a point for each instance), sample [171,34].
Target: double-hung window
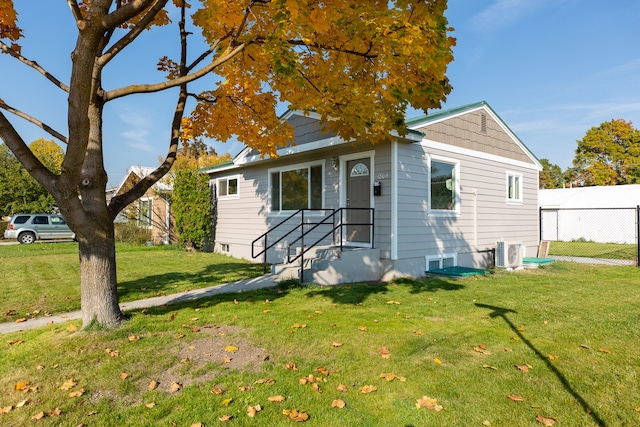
[514,187]
[444,186]
[145,211]
[228,188]
[296,187]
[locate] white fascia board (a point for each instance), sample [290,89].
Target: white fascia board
[479,154]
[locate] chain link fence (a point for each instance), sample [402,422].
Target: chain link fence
[592,235]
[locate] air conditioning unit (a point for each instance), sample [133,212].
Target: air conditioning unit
[508,255]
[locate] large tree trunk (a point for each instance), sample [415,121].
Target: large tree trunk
[98,285]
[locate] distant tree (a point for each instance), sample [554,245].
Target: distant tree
[19,191]
[191,204]
[608,155]
[551,175]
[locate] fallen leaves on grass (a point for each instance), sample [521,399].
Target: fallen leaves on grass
[175,387]
[429,403]
[38,416]
[77,393]
[384,352]
[524,368]
[515,398]
[338,403]
[253,410]
[604,350]
[21,385]
[295,415]
[14,342]
[124,375]
[490,367]
[390,376]
[336,344]
[482,348]
[290,366]
[112,353]
[231,349]
[153,385]
[150,405]
[278,398]
[343,388]
[226,402]
[546,420]
[368,389]
[225,417]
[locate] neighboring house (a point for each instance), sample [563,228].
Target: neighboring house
[442,195]
[151,211]
[605,214]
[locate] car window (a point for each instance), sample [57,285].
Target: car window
[21,219]
[41,220]
[56,220]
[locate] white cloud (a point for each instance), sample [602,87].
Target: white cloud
[503,13]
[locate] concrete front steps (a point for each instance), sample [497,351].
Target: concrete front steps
[328,265]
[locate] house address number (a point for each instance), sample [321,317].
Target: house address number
[382,175]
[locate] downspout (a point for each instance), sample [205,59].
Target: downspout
[394,200]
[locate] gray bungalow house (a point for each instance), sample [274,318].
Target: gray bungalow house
[459,185]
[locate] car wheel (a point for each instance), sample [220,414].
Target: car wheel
[27,238]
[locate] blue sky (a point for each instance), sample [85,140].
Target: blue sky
[551,69]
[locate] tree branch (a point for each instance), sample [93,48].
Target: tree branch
[36,122]
[367,55]
[157,87]
[34,65]
[120,202]
[75,9]
[132,34]
[26,157]
[128,11]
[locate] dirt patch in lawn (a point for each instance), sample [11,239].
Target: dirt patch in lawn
[217,350]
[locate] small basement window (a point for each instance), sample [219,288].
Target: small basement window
[436,262]
[224,247]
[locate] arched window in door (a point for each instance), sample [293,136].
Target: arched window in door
[359,169]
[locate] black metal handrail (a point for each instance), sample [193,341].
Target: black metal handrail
[265,235]
[304,248]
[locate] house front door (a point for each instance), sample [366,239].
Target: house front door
[358,196]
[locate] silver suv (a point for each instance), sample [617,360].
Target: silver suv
[28,228]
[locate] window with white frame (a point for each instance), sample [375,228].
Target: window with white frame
[296,187]
[436,262]
[444,185]
[145,211]
[228,187]
[514,187]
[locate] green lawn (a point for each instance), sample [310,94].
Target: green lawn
[595,250]
[561,341]
[45,278]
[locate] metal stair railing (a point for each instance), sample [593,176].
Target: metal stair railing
[266,246]
[341,223]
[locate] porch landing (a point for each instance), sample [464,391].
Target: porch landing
[329,265]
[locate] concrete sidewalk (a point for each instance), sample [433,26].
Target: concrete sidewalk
[234,287]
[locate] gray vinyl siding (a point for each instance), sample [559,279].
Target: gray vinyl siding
[421,234]
[242,219]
